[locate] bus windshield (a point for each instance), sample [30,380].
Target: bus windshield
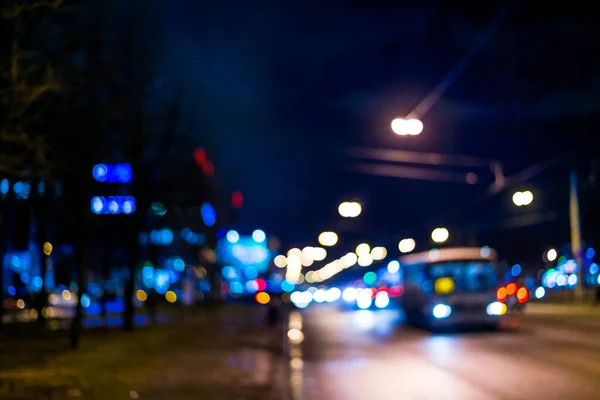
[471,276]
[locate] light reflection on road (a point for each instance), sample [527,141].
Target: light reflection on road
[368,354]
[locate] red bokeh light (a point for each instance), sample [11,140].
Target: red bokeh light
[261,284]
[209,168]
[200,157]
[203,162]
[237,199]
[396,291]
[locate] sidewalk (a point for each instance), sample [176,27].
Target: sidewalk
[562,309]
[223,355]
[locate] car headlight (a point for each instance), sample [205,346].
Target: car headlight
[496,308]
[441,311]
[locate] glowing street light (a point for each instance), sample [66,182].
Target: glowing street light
[328,239]
[350,209]
[440,235]
[551,255]
[407,245]
[404,127]
[521,199]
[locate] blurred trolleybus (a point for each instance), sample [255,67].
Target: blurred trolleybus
[452,286]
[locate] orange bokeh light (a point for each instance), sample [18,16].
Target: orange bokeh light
[501,294]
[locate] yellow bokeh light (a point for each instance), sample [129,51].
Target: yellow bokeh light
[319,253]
[66,295]
[280,261]
[20,304]
[365,260]
[407,245]
[328,239]
[363,249]
[295,252]
[444,285]
[263,298]
[440,235]
[141,295]
[295,335]
[171,296]
[379,253]
[47,248]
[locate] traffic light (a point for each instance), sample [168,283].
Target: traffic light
[237,199]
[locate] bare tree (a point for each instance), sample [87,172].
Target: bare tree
[26,79]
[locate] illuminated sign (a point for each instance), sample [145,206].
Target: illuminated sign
[245,252]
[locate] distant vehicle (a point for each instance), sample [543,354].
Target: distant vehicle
[452,286]
[13,305]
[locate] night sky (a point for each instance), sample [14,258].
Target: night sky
[285,90]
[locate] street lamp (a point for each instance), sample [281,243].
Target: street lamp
[350,209]
[404,127]
[551,255]
[440,235]
[521,199]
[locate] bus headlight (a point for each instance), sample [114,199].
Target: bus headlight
[441,311]
[496,308]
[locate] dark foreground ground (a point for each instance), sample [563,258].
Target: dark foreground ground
[552,354]
[219,354]
[228,353]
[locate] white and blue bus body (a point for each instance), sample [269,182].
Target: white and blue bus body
[451,287]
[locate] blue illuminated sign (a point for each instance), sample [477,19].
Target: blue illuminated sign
[113,205]
[253,257]
[112,173]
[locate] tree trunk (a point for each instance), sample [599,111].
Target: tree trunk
[3,248]
[41,219]
[104,277]
[80,244]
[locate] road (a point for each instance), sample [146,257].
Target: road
[374,355]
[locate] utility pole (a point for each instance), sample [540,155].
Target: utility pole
[576,233]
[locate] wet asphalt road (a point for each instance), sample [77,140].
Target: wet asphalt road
[373,355]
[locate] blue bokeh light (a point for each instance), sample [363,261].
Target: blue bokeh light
[208,213]
[113,205]
[178,264]
[112,173]
[287,286]
[236,288]
[515,270]
[99,172]
[590,253]
[233,236]
[259,236]
[36,283]
[85,300]
[166,236]
[4,186]
[22,190]
[128,205]
[98,204]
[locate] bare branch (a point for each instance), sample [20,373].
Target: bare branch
[14,138]
[18,9]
